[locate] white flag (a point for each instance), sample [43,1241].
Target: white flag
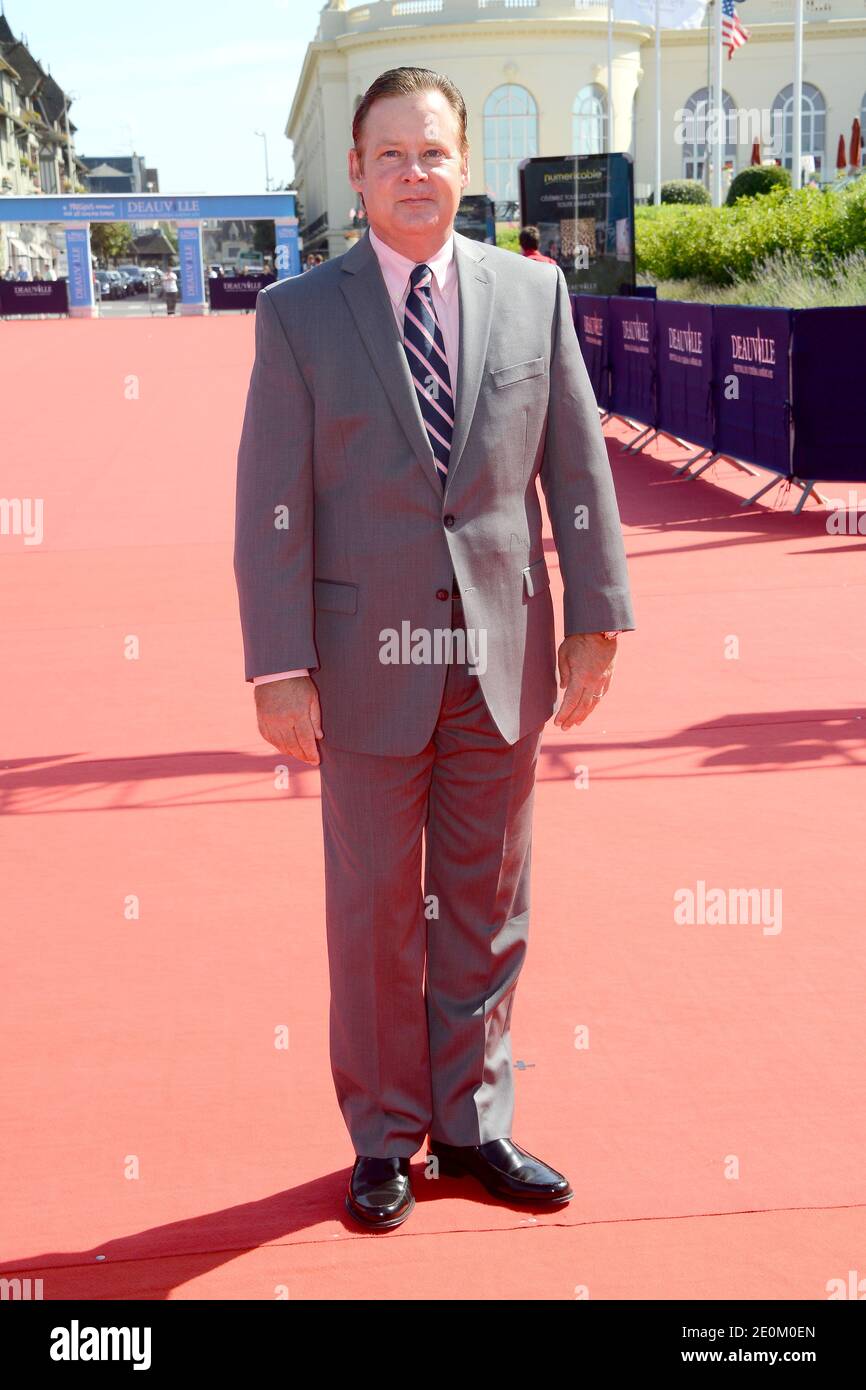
[673,14]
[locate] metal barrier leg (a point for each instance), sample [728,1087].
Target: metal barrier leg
[714,458]
[684,468]
[636,448]
[806,488]
[629,448]
[774,482]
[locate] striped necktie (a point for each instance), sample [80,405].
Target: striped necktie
[425,352]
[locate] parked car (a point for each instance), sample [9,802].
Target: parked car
[110,285]
[120,284]
[107,290]
[136,276]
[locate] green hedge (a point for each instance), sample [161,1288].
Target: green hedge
[684,191]
[757,179]
[720,245]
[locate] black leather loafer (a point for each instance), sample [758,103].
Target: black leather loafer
[505,1169]
[380,1193]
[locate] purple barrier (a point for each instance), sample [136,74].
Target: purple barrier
[591,321]
[237,292]
[33,297]
[632,358]
[828,352]
[751,393]
[684,370]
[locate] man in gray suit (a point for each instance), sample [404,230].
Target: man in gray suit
[397,622]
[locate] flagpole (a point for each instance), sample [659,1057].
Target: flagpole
[708,104]
[610,4]
[717,111]
[658,196]
[797,113]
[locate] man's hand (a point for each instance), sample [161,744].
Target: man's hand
[289,716]
[586,662]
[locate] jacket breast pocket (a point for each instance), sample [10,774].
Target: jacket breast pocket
[335,595]
[536,577]
[520,371]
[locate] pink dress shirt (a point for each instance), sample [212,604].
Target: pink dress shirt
[396,270]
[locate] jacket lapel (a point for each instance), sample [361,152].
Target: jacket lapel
[475,285]
[367,296]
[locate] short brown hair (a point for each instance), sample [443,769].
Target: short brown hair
[529,238]
[401,82]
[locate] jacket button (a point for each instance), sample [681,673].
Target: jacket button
[449,520]
[443,594]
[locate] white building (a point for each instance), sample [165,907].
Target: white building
[534,77]
[36,154]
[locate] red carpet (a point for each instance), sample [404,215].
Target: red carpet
[701,1085]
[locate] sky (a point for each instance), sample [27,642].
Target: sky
[185,83]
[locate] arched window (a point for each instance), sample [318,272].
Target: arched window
[510,134]
[812,127]
[589,120]
[695,151]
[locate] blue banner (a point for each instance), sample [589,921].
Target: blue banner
[632,359]
[751,395]
[287,256]
[79,266]
[111,207]
[684,370]
[191,272]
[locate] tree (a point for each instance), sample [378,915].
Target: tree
[264,238]
[110,240]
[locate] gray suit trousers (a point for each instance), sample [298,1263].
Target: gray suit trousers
[412,1055]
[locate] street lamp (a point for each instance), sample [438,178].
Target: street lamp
[267,174]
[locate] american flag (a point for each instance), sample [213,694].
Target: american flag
[734,35]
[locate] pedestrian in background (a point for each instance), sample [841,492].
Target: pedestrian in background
[530,239]
[170,289]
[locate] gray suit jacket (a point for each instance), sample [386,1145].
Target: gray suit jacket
[343,532]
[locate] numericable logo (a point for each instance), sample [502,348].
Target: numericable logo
[76,1343]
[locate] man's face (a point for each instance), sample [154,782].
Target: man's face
[413,174]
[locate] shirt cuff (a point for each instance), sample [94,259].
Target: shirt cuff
[280,676]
